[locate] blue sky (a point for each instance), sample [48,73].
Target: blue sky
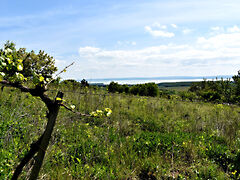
[128,38]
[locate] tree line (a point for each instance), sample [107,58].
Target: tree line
[217,91]
[147,89]
[221,91]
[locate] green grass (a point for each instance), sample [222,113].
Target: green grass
[144,137]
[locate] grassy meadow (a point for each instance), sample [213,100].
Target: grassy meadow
[144,138]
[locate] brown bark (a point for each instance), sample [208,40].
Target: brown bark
[52,116]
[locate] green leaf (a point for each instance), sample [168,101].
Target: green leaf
[41,78]
[58,99]
[19,76]
[19,67]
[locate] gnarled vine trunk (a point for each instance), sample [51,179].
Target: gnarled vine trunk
[40,146]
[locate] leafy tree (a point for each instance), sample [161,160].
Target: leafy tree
[218,91]
[18,66]
[147,89]
[142,90]
[134,90]
[113,87]
[152,89]
[236,80]
[71,84]
[125,88]
[84,83]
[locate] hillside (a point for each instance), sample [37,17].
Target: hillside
[145,137]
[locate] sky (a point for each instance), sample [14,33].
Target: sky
[128,38]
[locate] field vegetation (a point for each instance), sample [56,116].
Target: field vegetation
[145,137]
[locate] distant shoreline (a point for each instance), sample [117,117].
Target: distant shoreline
[157,80]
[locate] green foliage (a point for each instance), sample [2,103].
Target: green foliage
[147,89]
[18,66]
[236,80]
[71,83]
[84,83]
[220,91]
[113,87]
[144,137]
[20,116]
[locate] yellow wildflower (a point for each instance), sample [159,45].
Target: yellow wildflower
[108,112]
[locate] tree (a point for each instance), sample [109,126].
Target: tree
[84,83]
[113,87]
[31,73]
[236,79]
[152,89]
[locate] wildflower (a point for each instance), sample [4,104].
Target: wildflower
[99,112]
[108,112]
[233,173]
[94,114]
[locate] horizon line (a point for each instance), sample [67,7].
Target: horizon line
[162,77]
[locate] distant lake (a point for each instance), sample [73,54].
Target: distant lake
[139,80]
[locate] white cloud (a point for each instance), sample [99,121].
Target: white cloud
[218,54]
[233,29]
[126,43]
[88,50]
[187,31]
[216,28]
[159,33]
[174,26]
[158,25]
[224,41]
[133,43]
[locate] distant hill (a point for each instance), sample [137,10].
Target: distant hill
[175,84]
